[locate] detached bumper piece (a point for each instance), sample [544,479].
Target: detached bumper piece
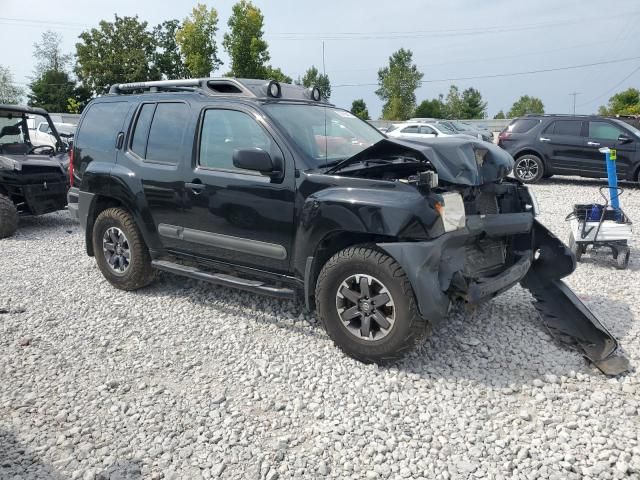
[562,312]
[571,322]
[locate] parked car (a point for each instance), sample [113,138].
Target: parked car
[468,129]
[422,130]
[239,183]
[546,145]
[33,179]
[41,133]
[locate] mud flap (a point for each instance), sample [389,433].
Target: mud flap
[562,312]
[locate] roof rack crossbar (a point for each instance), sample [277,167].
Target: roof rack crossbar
[126,87]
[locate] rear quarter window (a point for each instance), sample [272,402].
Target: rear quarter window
[522,125]
[100,126]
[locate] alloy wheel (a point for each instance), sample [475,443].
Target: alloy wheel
[116,250]
[527,168]
[365,307]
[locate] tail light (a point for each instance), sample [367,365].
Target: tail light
[504,135]
[71,167]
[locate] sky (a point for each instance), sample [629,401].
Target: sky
[451,40]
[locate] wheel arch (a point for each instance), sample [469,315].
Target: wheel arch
[530,151]
[331,244]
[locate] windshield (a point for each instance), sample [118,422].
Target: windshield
[461,126]
[12,129]
[325,134]
[446,128]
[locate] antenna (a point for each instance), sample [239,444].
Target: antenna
[326,141]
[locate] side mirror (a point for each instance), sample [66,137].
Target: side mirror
[254,159]
[624,138]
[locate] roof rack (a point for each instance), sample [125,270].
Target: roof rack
[560,115]
[244,87]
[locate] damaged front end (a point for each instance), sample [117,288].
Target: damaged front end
[498,244]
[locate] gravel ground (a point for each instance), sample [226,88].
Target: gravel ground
[186,380]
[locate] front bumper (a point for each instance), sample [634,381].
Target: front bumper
[432,265]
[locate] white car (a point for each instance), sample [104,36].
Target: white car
[418,130]
[40,133]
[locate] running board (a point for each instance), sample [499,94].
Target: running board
[255,286]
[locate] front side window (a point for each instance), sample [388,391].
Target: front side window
[427,130]
[224,131]
[411,129]
[604,131]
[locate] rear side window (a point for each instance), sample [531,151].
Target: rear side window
[166,135]
[100,126]
[565,127]
[604,130]
[522,125]
[141,131]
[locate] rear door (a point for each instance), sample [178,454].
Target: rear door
[562,145]
[605,133]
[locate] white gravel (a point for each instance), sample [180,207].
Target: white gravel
[185,380]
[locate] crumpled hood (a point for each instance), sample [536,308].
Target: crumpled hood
[461,161]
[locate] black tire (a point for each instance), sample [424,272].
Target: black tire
[528,168]
[8,217]
[408,329]
[622,259]
[138,272]
[575,247]
[547,175]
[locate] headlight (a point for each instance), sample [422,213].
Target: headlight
[535,207]
[452,211]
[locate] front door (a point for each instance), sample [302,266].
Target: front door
[234,215]
[603,133]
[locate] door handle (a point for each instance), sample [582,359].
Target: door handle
[593,144]
[119,140]
[544,139]
[196,187]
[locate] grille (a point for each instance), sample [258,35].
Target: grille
[484,256]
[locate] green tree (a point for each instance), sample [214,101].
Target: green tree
[49,55]
[499,116]
[453,105]
[626,102]
[197,41]
[359,109]
[397,84]
[248,52]
[10,93]
[434,108]
[471,105]
[52,91]
[525,105]
[313,78]
[116,52]
[167,57]
[276,74]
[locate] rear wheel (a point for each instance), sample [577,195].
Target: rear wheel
[121,254]
[8,217]
[528,168]
[367,306]
[575,247]
[622,259]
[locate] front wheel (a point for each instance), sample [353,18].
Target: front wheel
[367,306]
[121,254]
[575,247]
[8,217]
[528,168]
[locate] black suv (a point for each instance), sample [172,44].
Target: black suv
[261,186]
[546,145]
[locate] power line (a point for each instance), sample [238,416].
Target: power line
[612,88]
[575,94]
[497,75]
